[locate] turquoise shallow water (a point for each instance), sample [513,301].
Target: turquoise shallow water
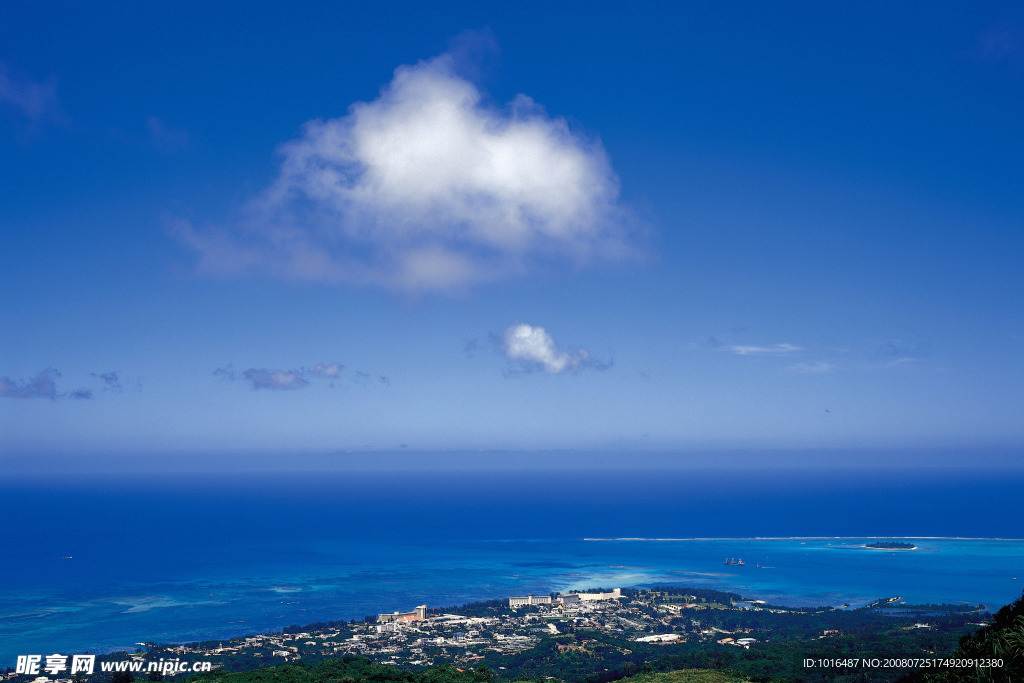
[167,563]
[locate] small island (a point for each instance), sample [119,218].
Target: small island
[891,545]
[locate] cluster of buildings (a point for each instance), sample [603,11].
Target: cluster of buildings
[563,599]
[421,637]
[418,614]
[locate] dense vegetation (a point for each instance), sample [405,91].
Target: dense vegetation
[1003,640]
[348,669]
[891,545]
[590,657]
[691,676]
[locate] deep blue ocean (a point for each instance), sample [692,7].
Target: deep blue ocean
[180,557]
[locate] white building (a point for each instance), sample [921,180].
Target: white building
[567,599]
[529,600]
[592,597]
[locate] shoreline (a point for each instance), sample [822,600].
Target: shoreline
[627,565]
[878,603]
[794,602]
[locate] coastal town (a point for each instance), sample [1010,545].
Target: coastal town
[602,625]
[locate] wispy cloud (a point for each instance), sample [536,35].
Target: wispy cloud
[811,368]
[266,378]
[427,187]
[532,348]
[111,380]
[1002,43]
[166,139]
[275,380]
[286,380]
[43,385]
[35,101]
[774,349]
[899,352]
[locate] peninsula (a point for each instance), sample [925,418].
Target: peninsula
[598,636]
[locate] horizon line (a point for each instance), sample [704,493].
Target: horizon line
[807,538]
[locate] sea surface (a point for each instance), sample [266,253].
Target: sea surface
[101,562]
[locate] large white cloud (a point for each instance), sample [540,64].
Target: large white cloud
[533,347]
[426,187]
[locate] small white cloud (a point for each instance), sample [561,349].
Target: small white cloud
[532,347]
[328,370]
[764,350]
[427,187]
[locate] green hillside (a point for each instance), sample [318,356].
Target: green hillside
[1000,643]
[691,676]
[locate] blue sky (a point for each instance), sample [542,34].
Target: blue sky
[466,226]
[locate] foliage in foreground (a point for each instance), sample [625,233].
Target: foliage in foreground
[348,669]
[1002,639]
[691,676]
[352,669]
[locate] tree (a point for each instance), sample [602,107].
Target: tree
[1003,639]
